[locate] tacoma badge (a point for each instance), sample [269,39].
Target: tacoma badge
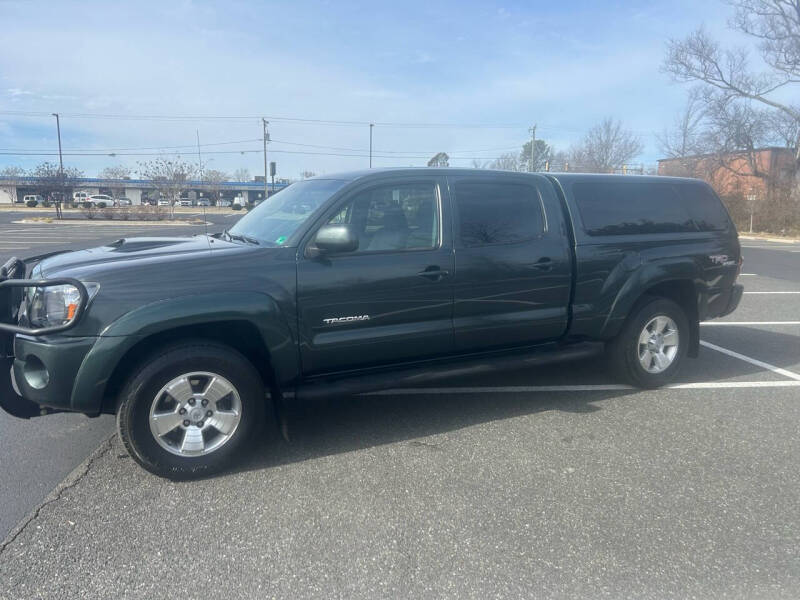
[337,320]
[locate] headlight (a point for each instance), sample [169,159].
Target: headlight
[52,306]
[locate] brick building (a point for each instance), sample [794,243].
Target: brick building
[746,173]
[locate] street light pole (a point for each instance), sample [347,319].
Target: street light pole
[60,168]
[371,125]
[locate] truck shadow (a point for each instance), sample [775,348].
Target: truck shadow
[345,424]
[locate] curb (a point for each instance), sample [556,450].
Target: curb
[769,239]
[104,222]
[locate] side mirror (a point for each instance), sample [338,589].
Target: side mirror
[333,239]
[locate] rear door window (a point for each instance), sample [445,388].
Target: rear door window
[497,213]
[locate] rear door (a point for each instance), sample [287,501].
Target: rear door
[513,264]
[391,300]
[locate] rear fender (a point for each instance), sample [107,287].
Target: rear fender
[645,278]
[118,338]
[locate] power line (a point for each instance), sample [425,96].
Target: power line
[300,120]
[133,117]
[122,151]
[250,151]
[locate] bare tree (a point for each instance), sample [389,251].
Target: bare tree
[116,172]
[605,147]
[506,162]
[115,176]
[785,129]
[169,177]
[213,180]
[51,180]
[559,161]
[480,164]
[440,159]
[726,73]
[683,138]
[308,174]
[10,178]
[747,106]
[241,174]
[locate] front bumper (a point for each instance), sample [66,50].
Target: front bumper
[37,374]
[39,378]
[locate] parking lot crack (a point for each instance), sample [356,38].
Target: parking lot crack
[69,482]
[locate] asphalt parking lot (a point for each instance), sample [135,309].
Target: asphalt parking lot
[36,455]
[557,482]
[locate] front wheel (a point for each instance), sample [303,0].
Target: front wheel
[652,344]
[190,410]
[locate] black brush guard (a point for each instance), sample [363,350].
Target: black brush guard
[12,284]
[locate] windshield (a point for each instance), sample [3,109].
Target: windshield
[274,221]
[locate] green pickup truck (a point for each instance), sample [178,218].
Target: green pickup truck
[348,283]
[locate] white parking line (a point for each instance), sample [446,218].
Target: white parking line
[529,389]
[752,361]
[798,292]
[41,242]
[722,323]
[748,274]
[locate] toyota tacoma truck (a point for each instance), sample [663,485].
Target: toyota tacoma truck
[349,283]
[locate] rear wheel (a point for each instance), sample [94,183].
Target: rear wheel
[190,410]
[652,344]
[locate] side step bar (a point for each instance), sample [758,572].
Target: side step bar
[368,382]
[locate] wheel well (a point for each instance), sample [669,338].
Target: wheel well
[683,293]
[239,335]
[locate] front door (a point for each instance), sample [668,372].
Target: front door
[513,265]
[390,300]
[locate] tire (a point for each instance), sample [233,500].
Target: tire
[629,352]
[155,432]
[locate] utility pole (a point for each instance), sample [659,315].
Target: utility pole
[266,139]
[371,125]
[532,131]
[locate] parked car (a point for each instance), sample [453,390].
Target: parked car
[224,203]
[163,202]
[98,201]
[203,202]
[184,202]
[362,281]
[33,200]
[79,197]
[122,202]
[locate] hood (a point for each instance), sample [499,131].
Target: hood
[130,250]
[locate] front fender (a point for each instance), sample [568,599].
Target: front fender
[119,337]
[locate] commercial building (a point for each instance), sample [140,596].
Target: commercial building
[137,190]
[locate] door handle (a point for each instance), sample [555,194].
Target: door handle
[434,273]
[543,264]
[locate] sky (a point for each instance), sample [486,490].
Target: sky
[142,79]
